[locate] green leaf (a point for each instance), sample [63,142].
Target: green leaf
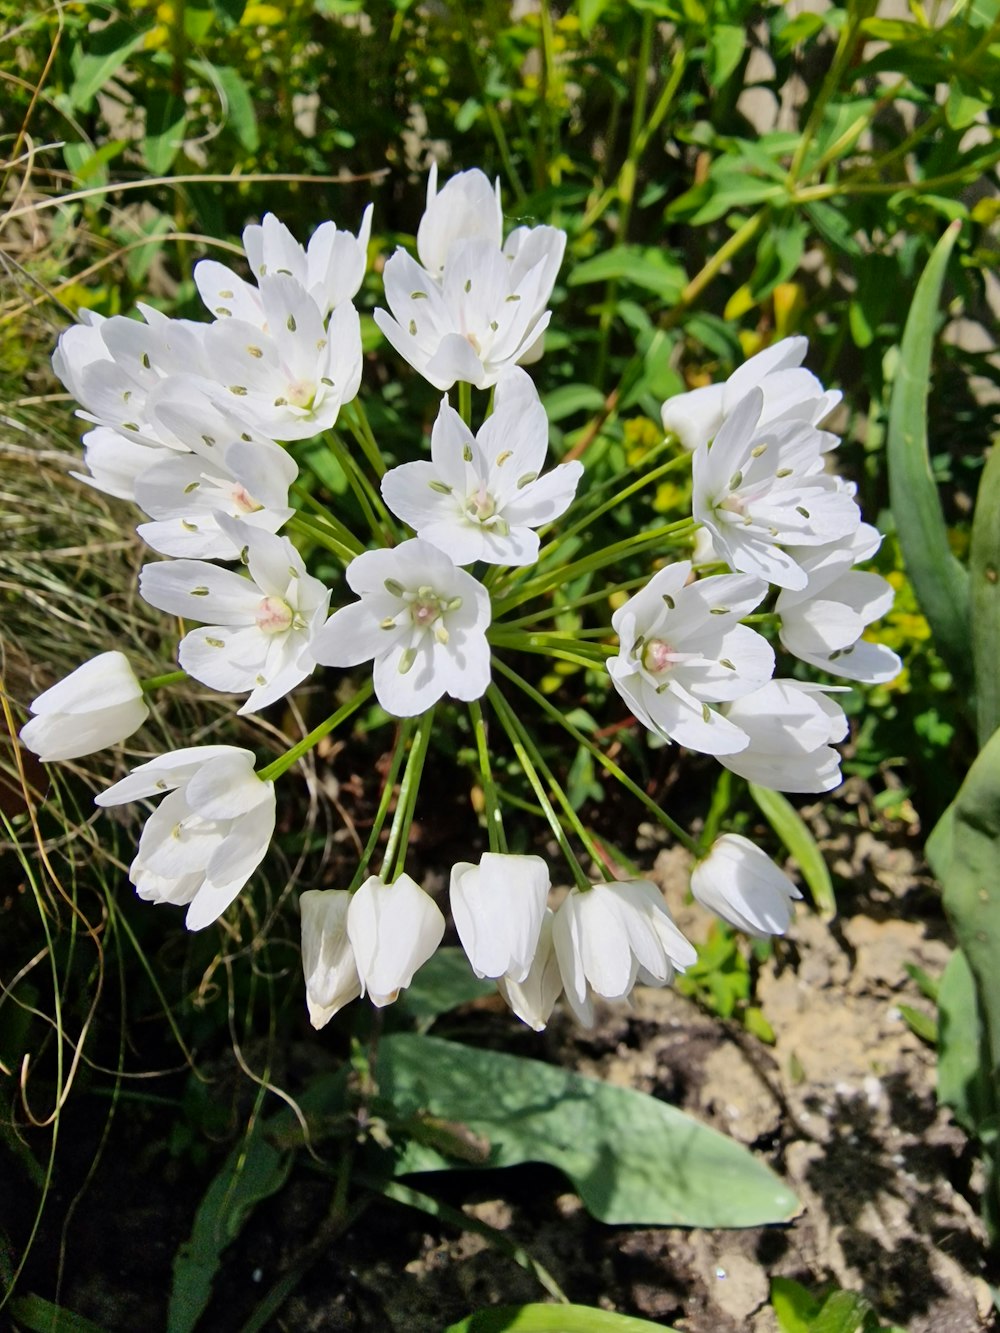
[590,15]
[443,983]
[237,101]
[844,1312]
[790,827]
[166,116]
[794,1306]
[939,581]
[41,1316]
[107,52]
[633,1159]
[726,46]
[569,399]
[646,267]
[920,1023]
[553,1319]
[961,1075]
[984,593]
[252,1172]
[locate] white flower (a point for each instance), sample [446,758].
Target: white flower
[257,630]
[290,376]
[498,908]
[206,838]
[115,462]
[393,930]
[421,619]
[328,965]
[682,649]
[791,725]
[475,307]
[467,207]
[533,998]
[219,467]
[789,392]
[331,269]
[98,704]
[822,624]
[760,487]
[479,498]
[740,883]
[613,935]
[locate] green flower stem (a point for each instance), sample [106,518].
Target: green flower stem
[508,722]
[607,764]
[315,532]
[338,529]
[158,682]
[841,58]
[562,608]
[592,654]
[562,655]
[465,402]
[399,833]
[358,419]
[519,733]
[739,240]
[402,741]
[284,762]
[721,798]
[684,460]
[580,501]
[588,564]
[365,494]
[494,818]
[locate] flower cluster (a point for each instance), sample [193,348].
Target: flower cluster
[196,423]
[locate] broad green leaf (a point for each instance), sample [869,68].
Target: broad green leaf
[961,1072]
[940,582]
[794,1306]
[166,117]
[443,983]
[633,1159]
[237,101]
[726,45]
[736,189]
[590,14]
[107,51]
[845,1312]
[649,268]
[41,1316]
[553,1319]
[800,843]
[569,399]
[984,594]
[252,1172]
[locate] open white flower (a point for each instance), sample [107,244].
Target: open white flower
[98,704]
[257,630]
[498,908]
[682,649]
[533,998]
[791,725]
[759,488]
[209,834]
[823,622]
[481,497]
[421,619]
[467,207]
[740,883]
[328,965]
[330,269]
[790,392]
[290,376]
[393,930]
[613,935]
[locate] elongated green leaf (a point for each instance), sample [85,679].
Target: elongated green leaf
[800,843]
[41,1316]
[166,117]
[984,588]
[107,51]
[961,1072]
[794,1306]
[940,582]
[648,268]
[237,100]
[553,1319]
[252,1172]
[845,1312]
[631,1157]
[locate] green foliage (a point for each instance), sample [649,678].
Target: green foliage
[551,1319]
[798,1310]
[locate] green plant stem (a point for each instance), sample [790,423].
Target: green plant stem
[508,722]
[316,533]
[365,494]
[339,530]
[550,612]
[590,563]
[284,762]
[516,727]
[395,849]
[587,654]
[494,818]
[465,402]
[402,741]
[607,764]
[740,238]
[357,420]
[845,49]
[158,682]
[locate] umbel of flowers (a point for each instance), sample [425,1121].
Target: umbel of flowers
[460,568]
